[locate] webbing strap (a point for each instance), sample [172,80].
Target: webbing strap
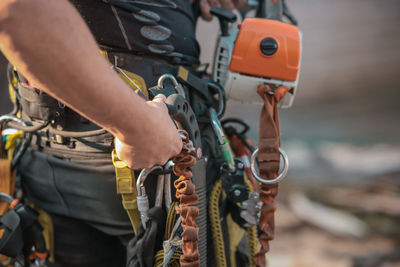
[133,80]
[7,182]
[125,182]
[268,161]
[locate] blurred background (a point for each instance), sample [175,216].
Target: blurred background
[340,204]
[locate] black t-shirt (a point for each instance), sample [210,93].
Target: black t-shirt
[163,28]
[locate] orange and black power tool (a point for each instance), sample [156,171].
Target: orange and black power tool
[256,51]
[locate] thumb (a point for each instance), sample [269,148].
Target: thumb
[205,10]
[160,98]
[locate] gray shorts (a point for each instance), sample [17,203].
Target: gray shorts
[81,189]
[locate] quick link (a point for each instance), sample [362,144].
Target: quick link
[223,144]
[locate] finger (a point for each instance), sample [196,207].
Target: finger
[160,98]
[179,144]
[205,10]
[214,3]
[240,4]
[228,4]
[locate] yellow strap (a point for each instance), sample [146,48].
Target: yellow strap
[125,181]
[183,73]
[11,143]
[124,177]
[11,92]
[46,222]
[137,80]
[235,233]
[215,220]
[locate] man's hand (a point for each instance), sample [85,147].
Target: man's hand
[158,142]
[206,5]
[73,71]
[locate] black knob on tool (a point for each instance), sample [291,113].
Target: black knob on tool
[269,46]
[225,17]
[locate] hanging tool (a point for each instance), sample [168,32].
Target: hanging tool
[264,41]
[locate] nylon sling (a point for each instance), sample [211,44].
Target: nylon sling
[268,162]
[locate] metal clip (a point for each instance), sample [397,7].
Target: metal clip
[169,247]
[280,176]
[178,86]
[172,243]
[189,147]
[142,198]
[250,211]
[167,184]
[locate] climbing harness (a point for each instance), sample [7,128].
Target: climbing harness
[171,207]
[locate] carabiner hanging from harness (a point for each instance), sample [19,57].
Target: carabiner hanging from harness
[142,198]
[178,87]
[167,184]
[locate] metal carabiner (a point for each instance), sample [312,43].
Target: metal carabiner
[167,185]
[142,198]
[221,139]
[279,177]
[178,86]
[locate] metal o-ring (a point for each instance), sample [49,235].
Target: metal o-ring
[279,177]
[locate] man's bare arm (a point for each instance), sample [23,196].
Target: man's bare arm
[51,45]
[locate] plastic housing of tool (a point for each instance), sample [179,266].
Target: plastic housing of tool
[265,51]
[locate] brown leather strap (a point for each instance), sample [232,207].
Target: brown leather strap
[268,160]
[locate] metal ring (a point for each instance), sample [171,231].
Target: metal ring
[279,177]
[178,88]
[166,76]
